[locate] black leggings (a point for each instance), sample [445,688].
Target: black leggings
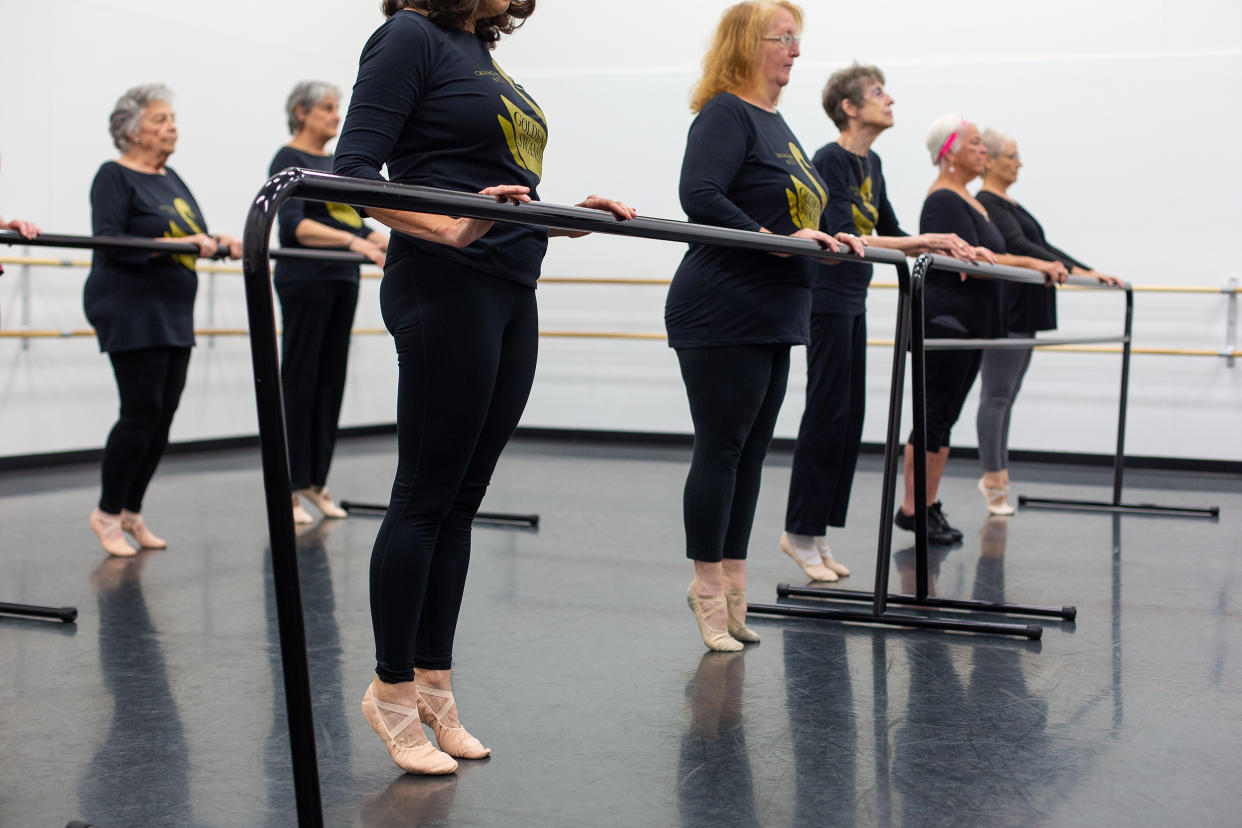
[150,382]
[832,423]
[314,355]
[948,376]
[466,347]
[735,395]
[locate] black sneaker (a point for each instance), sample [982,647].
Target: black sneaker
[935,515]
[935,533]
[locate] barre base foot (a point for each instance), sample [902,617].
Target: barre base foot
[1207,512]
[487,518]
[66,614]
[1064,613]
[889,619]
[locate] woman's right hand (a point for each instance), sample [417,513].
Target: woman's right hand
[368,248]
[824,240]
[460,232]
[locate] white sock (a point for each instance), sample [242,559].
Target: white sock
[822,547]
[803,547]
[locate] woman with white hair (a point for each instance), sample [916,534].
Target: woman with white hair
[317,299]
[956,307]
[1031,308]
[142,303]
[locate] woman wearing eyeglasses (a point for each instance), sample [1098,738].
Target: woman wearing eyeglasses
[1031,308]
[733,315]
[831,430]
[957,307]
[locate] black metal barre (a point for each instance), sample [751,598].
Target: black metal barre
[11,237]
[937,262]
[308,184]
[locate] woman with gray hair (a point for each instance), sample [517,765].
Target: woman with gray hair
[142,303]
[1031,308]
[317,299]
[956,307]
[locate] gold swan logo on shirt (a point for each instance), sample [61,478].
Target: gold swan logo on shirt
[805,206]
[345,214]
[866,218]
[526,136]
[175,231]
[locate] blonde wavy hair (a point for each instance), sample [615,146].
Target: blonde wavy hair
[732,62]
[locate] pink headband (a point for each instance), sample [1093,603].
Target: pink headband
[948,143]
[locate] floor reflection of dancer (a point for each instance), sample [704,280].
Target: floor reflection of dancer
[714,782]
[458,296]
[822,727]
[142,767]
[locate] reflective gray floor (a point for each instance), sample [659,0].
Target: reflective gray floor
[579,664]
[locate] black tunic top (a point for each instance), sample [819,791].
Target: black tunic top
[295,210]
[744,169]
[133,298]
[857,203]
[1031,307]
[432,104]
[978,305]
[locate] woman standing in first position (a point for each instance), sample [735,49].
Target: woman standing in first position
[317,299]
[732,315]
[142,304]
[458,296]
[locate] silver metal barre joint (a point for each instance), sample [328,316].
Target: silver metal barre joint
[1016,342]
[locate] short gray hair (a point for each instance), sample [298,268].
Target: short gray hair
[127,113]
[306,94]
[943,135]
[995,139]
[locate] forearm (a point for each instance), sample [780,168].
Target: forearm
[426,226]
[1021,261]
[311,233]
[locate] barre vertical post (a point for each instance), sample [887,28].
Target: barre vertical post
[901,340]
[918,356]
[278,489]
[1119,461]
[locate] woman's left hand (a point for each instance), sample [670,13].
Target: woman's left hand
[232,244]
[854,243]
[1105,279]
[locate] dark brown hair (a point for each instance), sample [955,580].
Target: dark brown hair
[452,14]
[847,85]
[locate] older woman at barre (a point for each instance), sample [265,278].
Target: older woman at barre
[957,306]
[1031,308]
[733,315]
[317,299]
[142,304]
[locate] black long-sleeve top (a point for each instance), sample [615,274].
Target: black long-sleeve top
[744,169]
[857,203]
[433,105]
[977,305]
[132,298]
[296,210]
[1031,307]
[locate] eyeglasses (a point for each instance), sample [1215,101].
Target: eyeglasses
[787,40]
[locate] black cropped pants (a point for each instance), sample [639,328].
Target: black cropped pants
[466,347]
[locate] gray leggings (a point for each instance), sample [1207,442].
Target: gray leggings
[1002,372]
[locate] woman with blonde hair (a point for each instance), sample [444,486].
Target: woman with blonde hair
[733,315]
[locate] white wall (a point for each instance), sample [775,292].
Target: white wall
[1123,112]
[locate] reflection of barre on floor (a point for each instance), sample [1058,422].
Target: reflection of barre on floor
[488,518]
